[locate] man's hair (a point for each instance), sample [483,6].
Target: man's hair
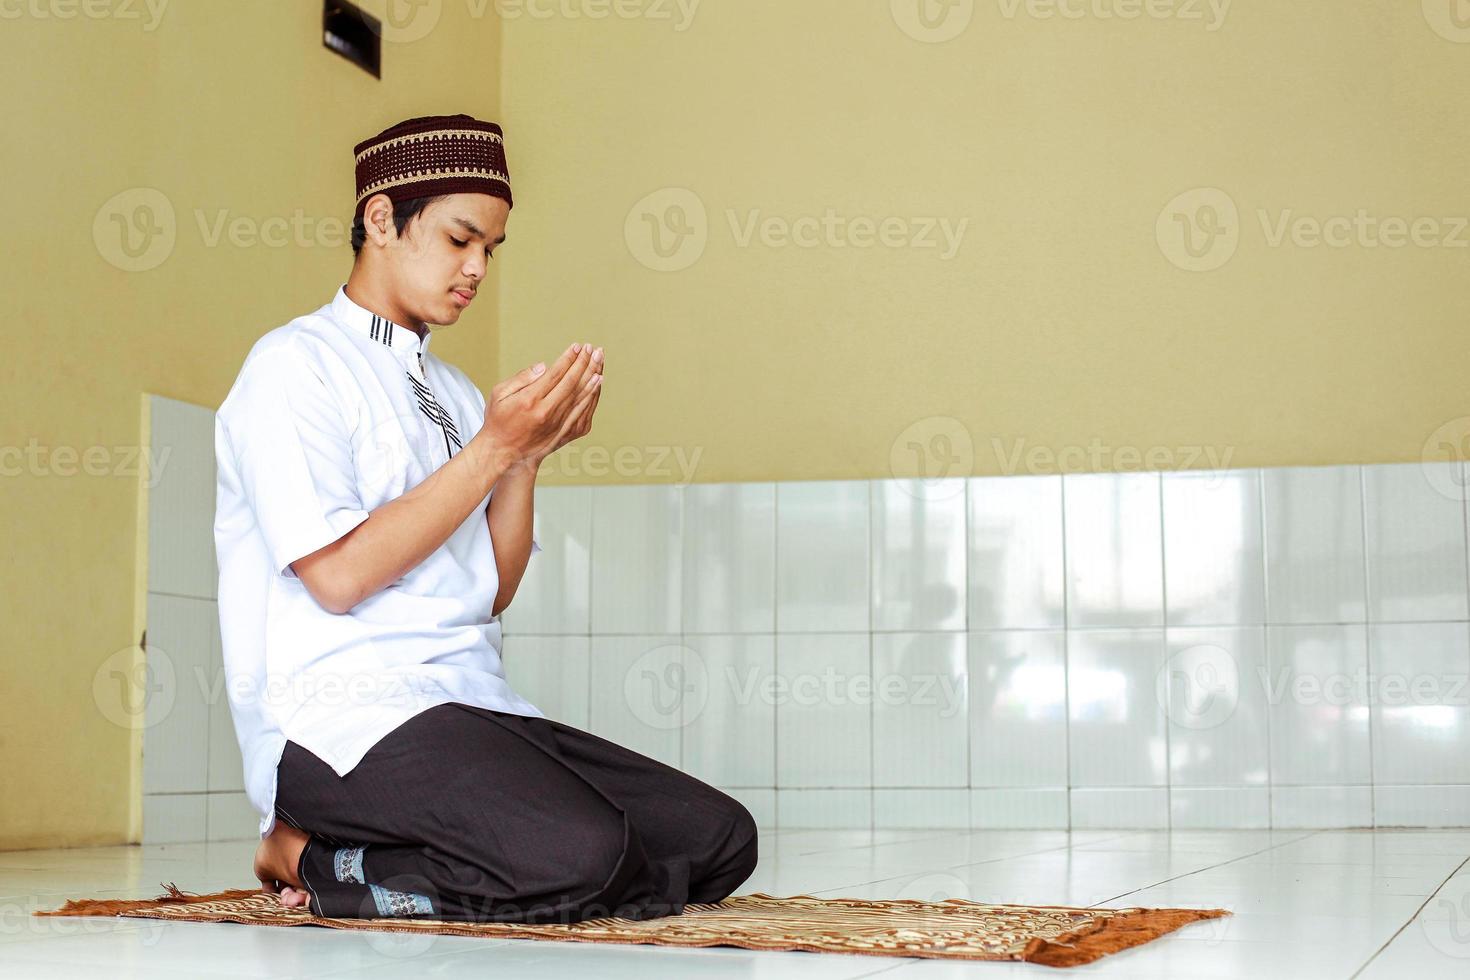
[403,213]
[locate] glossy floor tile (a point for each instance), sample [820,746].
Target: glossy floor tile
[1307,904]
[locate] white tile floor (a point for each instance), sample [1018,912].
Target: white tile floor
[1383,904]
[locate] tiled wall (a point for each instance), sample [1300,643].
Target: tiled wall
[1244,648]
[193,785]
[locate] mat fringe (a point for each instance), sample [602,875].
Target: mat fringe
[1132,927]
[118,906]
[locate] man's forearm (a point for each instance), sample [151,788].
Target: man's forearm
[511,521]
[399,535]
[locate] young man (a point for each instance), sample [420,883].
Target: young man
[373,519]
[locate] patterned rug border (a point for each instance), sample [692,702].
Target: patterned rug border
[1109,931]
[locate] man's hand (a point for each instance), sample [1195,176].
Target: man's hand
[529,415]
[576,425]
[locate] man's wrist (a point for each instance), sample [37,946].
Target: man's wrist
[489,459]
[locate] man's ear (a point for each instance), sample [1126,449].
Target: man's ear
[377,220]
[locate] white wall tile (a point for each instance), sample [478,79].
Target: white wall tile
[1316,687]
[1216,706]
[921,808]
[1018,708]
[822,560]
[179,650]
[1415,543]
[1116,720]
[181,557]
[1219,808]
[175,818]
[1422,806]
[1421,702]
[730,732]
[640,690]
[1314,545]
[761,803]
[1015,578]
[636,558]
[1114,550]
[554,596]
[824,717]
[918,555]
[1107,809]
[226,768]
[835,808]
[1024,809]
[1321,806]
[553,673]
[920,709]
[1214,567]
[229,816]
[729,558]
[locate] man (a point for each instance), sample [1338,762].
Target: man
[373,519]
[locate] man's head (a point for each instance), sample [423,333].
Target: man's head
[433,197]
[430,253]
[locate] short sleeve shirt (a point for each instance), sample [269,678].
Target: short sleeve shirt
[331,416]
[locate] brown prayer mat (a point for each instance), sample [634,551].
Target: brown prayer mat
[953,929]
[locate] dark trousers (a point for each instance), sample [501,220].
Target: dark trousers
[472,814]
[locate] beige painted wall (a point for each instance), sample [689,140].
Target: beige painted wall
[1060,329]
[1062,323]
[222,107]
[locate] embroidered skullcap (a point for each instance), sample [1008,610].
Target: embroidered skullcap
[432,155]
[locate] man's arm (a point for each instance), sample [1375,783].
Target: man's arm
[510,518]
[400,534]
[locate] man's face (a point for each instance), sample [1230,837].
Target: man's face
[439,261]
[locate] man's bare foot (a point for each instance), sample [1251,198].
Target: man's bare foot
[276,862]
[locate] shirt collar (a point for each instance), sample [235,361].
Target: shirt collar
[404,343]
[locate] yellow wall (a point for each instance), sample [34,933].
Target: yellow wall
[221,106]
[1060,324]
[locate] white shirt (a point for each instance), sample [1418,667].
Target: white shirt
[331,416]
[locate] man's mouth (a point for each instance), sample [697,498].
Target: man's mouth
[465,295]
